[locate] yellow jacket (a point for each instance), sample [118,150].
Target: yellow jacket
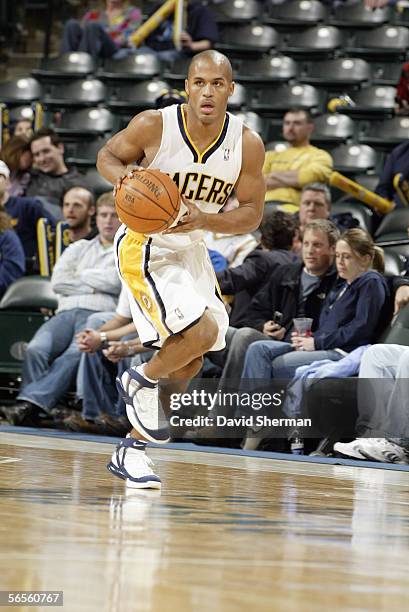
[313,165]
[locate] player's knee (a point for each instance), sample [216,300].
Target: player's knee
[204,334]
[191,369]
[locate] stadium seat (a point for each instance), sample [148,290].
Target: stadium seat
[359,211]
[236,11]
[239,99]
[240,40]
[139,66]
[71,65]
[398,331]
[136,97]
[20,91]
[267,70]
[385,135]
[295,13]
[332,128]
[178,71]
[29,293]
[96,182]
[394,226]
[385,73]
[369,181]
[320,41]
[88,92]
[281,98]
[395,263]
[359,16]
[352,159]
[84,154]
[337,73]
[371,102]
[86,123]
[277,145]
[253,121]
[387,41]
[18,113]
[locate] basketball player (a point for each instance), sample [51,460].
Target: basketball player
[171,284]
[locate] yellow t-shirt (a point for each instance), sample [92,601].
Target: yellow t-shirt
[313,165]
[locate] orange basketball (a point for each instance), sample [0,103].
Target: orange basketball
[147,202]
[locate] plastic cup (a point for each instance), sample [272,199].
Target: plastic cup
[302,326]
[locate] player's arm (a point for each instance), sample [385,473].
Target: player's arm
[129,146]
[250,191]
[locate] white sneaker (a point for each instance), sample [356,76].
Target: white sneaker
[143,408]
[130,462]
[385,451]
[350,449]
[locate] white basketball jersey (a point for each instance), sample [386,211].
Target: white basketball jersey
[205,178]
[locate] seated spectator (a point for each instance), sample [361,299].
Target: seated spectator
[382,406]
[396,163]
[23,128]
[278,231]
[16,154]
[315,203]
[301,163]
[85,280]
[78,209]
[402,91]
[12,264]
[353,313]
[201,33]
[24,213]
[103,33]
[50,177]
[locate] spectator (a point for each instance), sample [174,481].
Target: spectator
[301,163]
[23,128]
[78,210]
[402,91]
[50,177]
[11,253]
[24,213]
[382,406]
[103,33]
[315,203]
[201,33]
[353,313]
[85,280]
[278,230]
[396,163]
[16,154]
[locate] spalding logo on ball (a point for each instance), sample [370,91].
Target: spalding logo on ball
[148,201]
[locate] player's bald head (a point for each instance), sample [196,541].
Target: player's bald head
[211,59]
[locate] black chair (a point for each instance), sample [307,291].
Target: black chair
[385,135]
[138,66]
[371,102]
[240,40]
[75,94]
[239,99]
[19,113]
[96,182]
[253,121]
[354,159]
[20,91]
[295,13]
[320,41]
[363,214]
[395,263]
[337,73]
[278,100]
[385,73]
[87,123]
[332,128]
[387,41]
[236,11]
[394,226]
[72,65]
[84,154]
[267,70]
[277,145]
[178,71]
[359,16]
[136,97]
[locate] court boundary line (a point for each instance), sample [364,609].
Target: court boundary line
[220,450]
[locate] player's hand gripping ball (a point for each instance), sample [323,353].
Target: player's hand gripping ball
[147,201]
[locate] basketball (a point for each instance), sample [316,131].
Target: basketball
[148,201]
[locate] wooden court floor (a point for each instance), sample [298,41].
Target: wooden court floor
[226,532]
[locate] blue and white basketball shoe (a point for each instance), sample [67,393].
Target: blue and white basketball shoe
[130,462]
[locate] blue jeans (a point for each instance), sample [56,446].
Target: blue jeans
[89,37]
[52,359]
[269,359]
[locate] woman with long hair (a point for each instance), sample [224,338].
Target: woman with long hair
[16,154]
